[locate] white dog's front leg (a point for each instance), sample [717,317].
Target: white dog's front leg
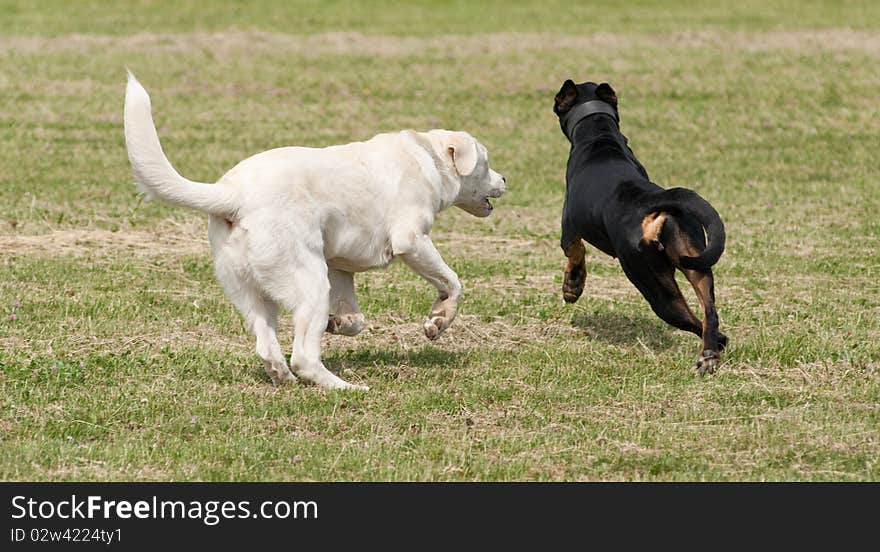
[419,253]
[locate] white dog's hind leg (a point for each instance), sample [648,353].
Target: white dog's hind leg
[310,317]
[293,272]
[345,313]
[260,315]
[265,328]
[303,286]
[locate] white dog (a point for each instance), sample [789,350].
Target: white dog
[291,226]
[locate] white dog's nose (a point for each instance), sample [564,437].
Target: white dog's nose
[497,183]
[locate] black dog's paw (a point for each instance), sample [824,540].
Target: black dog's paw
[708,362]
[573,284]
[722,342]
[571,296]
[571,291]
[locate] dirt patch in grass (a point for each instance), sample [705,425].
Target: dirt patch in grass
[184,238]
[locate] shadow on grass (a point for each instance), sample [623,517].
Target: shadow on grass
[624,330]
[427,357]
[389,361]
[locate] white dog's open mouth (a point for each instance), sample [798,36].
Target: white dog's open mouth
[493,194]
[482,207]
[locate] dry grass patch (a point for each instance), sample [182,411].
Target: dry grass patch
[487,44]
[168,238]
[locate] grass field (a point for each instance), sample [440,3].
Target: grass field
[121,359]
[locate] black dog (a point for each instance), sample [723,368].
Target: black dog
[611,203]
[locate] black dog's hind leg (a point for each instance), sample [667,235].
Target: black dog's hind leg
[713,340]
[684,237]
[656,282]
[575,271]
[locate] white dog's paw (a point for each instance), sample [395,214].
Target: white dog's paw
[435,326]
[322,377]
[346,324]
[441,316]
[279,373]
[337,383]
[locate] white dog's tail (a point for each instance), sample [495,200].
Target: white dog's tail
[153,172]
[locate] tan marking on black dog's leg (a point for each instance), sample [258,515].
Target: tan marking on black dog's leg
[703,284]
[651,227]
[575,272]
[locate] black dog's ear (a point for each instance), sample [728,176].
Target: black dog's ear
[607,94]
[566,97]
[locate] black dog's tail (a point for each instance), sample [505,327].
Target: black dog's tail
[683,201]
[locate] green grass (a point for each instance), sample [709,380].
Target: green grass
[427,17]
[124,360]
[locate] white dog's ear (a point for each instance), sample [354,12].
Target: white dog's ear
[463,151]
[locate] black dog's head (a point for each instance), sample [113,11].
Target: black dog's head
[574,102]
[572,94]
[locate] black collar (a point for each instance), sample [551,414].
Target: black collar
[580,112]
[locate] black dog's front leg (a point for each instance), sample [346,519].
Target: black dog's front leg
[575,271]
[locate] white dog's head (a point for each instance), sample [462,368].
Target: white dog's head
[469,161]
